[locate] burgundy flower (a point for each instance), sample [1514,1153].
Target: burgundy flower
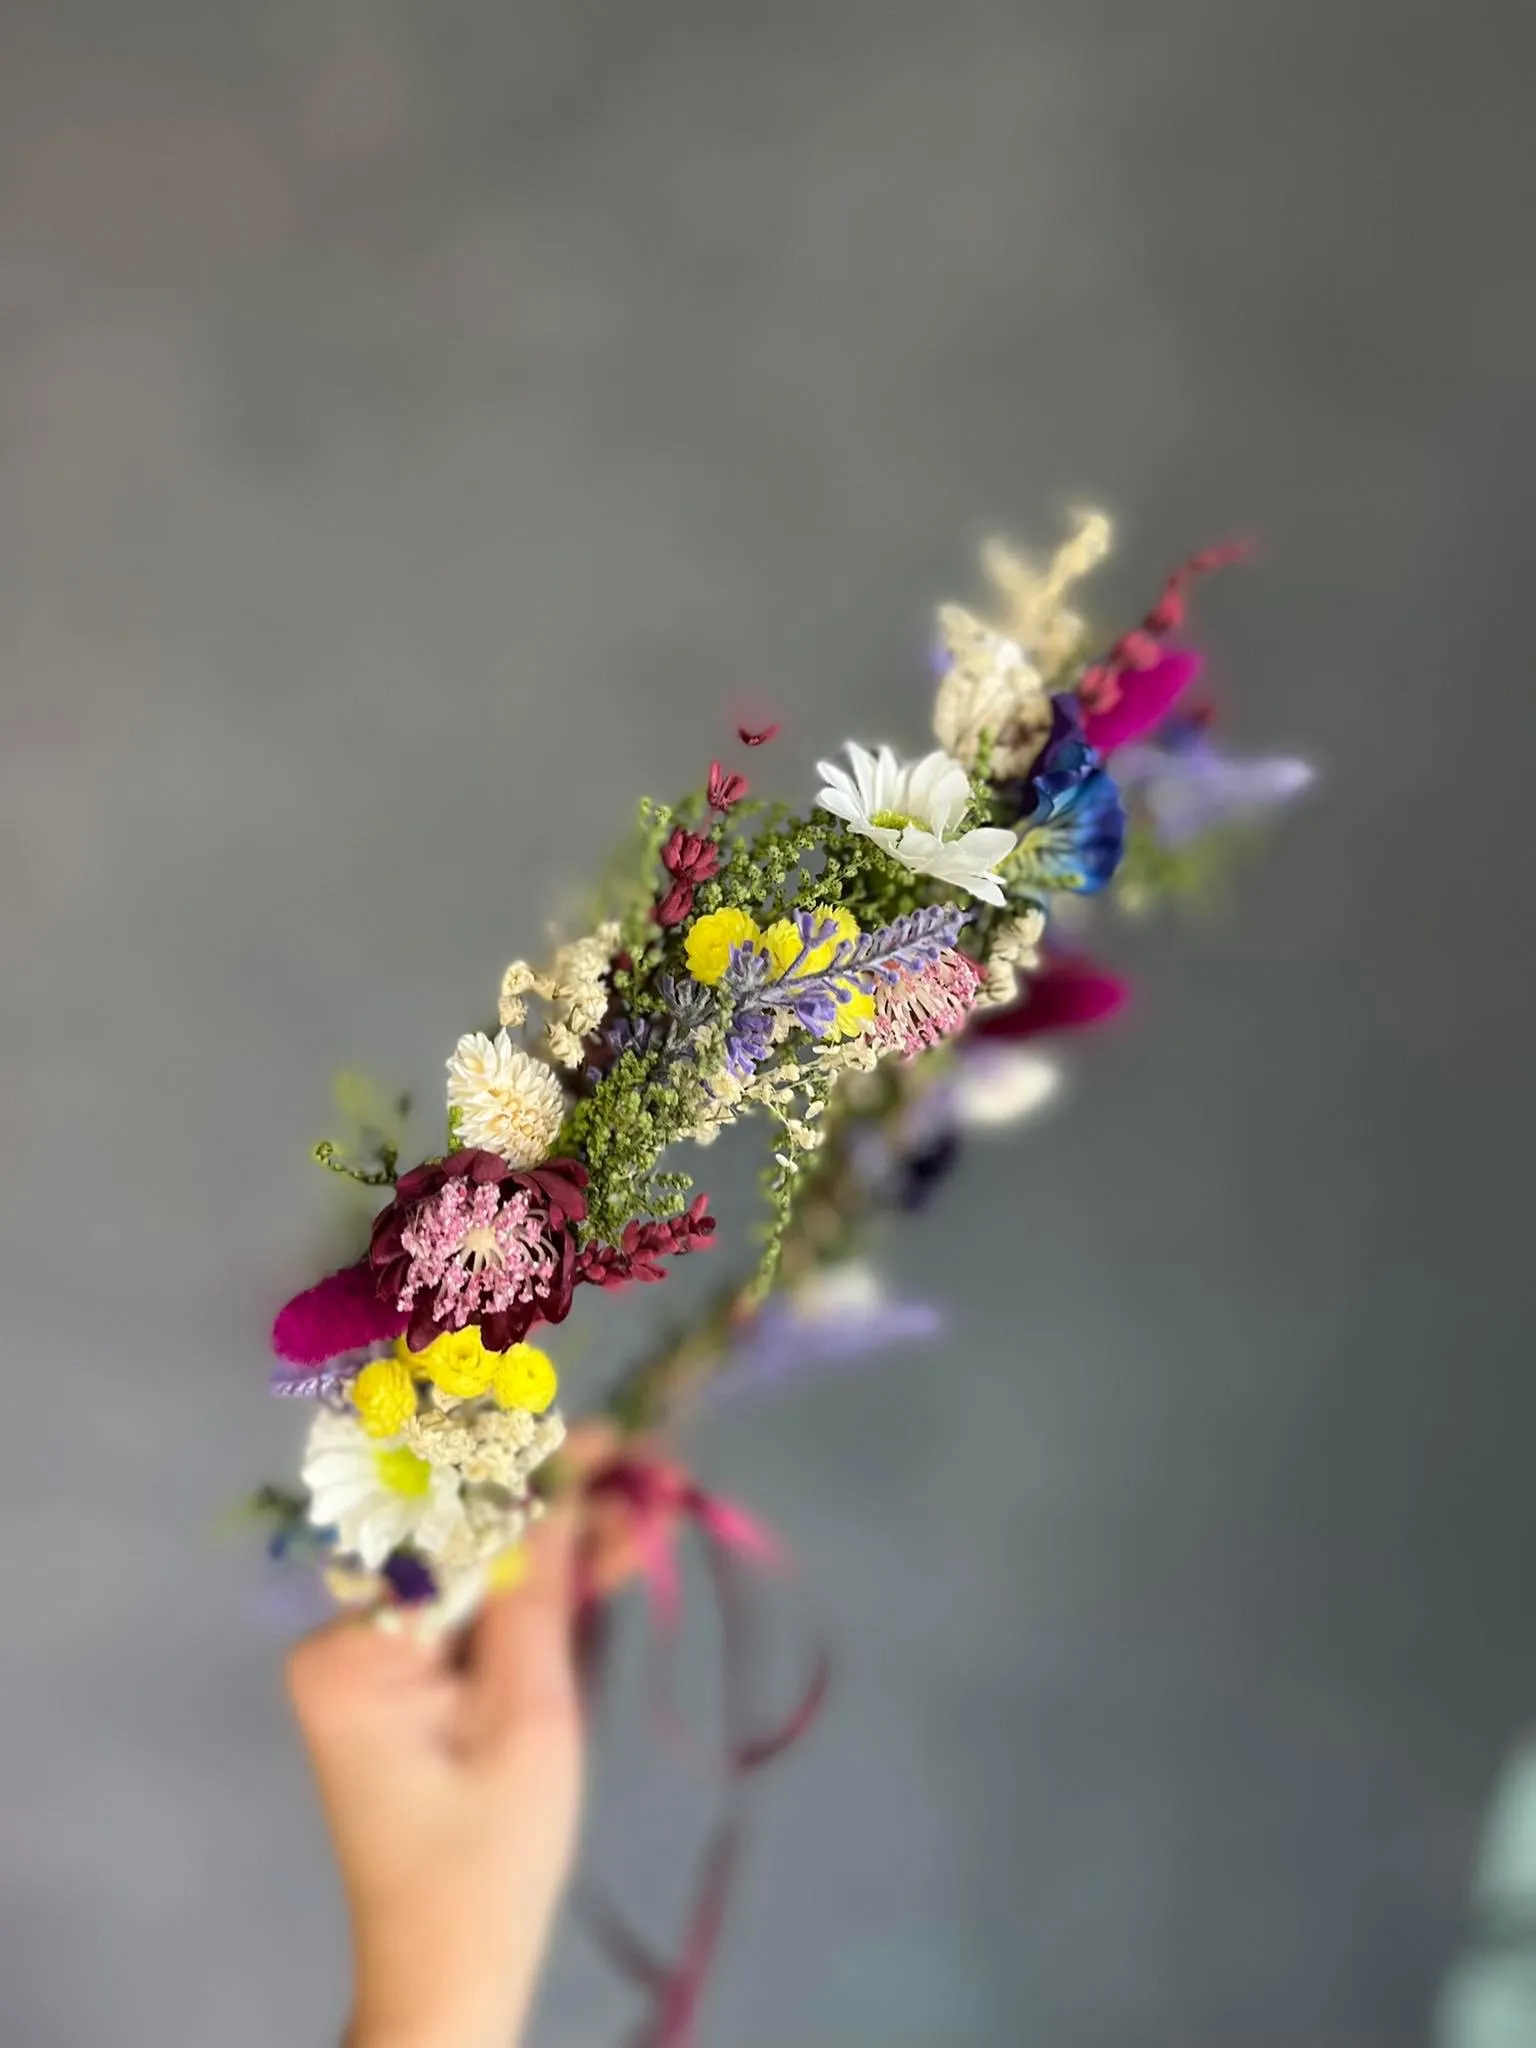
[636,1255]
[758,737]
[688,858]
[726,787]
[469,1239]
[676,907]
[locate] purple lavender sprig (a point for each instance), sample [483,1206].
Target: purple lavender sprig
[902,947]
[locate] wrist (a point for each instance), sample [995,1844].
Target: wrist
[434,2030]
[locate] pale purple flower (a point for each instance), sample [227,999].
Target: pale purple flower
[1188,787]
[842,1314]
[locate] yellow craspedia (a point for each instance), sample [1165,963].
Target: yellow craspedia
[457,1363]
[782,941]
[710,939]
[525,1378]
[384,1395]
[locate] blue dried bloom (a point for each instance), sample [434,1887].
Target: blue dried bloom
[1071,821]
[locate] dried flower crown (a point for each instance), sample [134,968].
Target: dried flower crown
[858,972]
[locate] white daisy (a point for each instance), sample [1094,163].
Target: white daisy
[910,809]
[376,1495]
[507,1101]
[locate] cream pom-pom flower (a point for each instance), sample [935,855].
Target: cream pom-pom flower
[376,1495]
[507,1102]
[910,810]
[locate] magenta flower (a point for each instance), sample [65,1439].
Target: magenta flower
[1067,995]
[1141,699]
[341,1313]
[468,1240]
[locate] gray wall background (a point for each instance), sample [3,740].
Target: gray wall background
[415,420]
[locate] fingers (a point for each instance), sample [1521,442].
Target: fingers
[339,1673]
[521,1662]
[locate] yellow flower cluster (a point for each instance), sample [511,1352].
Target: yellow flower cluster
[711,938]
[457,1364]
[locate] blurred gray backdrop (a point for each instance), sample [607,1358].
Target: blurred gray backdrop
[416,421]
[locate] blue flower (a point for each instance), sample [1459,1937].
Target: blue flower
[1071,821]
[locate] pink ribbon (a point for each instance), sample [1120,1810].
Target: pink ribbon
[660,1500]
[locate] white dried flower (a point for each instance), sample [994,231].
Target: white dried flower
[507,1101]
[1017,941]
[999,985]
[989,688]
[575,985]
[1034,613]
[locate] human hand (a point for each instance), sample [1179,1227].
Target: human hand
[451,1785]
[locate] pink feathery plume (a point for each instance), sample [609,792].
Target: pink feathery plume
[341,1313]
[1068,995]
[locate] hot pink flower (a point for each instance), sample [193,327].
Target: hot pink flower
[341,1313]
[1067,995]
[1140,699]
[923,1006]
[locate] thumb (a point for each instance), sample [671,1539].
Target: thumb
[521,1654]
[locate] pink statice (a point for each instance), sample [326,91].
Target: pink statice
[925,1004]
[476,1250]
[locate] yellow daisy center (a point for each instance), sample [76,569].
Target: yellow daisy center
[892,821]
[402,1472]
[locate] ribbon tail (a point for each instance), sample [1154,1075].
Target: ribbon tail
[675,2018]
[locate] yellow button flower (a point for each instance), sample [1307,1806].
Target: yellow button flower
[457,1362]
[710,939]
[782,941]
[384,1395]
[525,1378]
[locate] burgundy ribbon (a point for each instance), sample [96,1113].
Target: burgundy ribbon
[659,1500]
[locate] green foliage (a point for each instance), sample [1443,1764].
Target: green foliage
[1151,873]
[645,1103]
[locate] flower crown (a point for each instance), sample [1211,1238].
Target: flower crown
[859,972]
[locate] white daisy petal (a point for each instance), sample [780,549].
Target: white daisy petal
[840,805]
[932,795]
